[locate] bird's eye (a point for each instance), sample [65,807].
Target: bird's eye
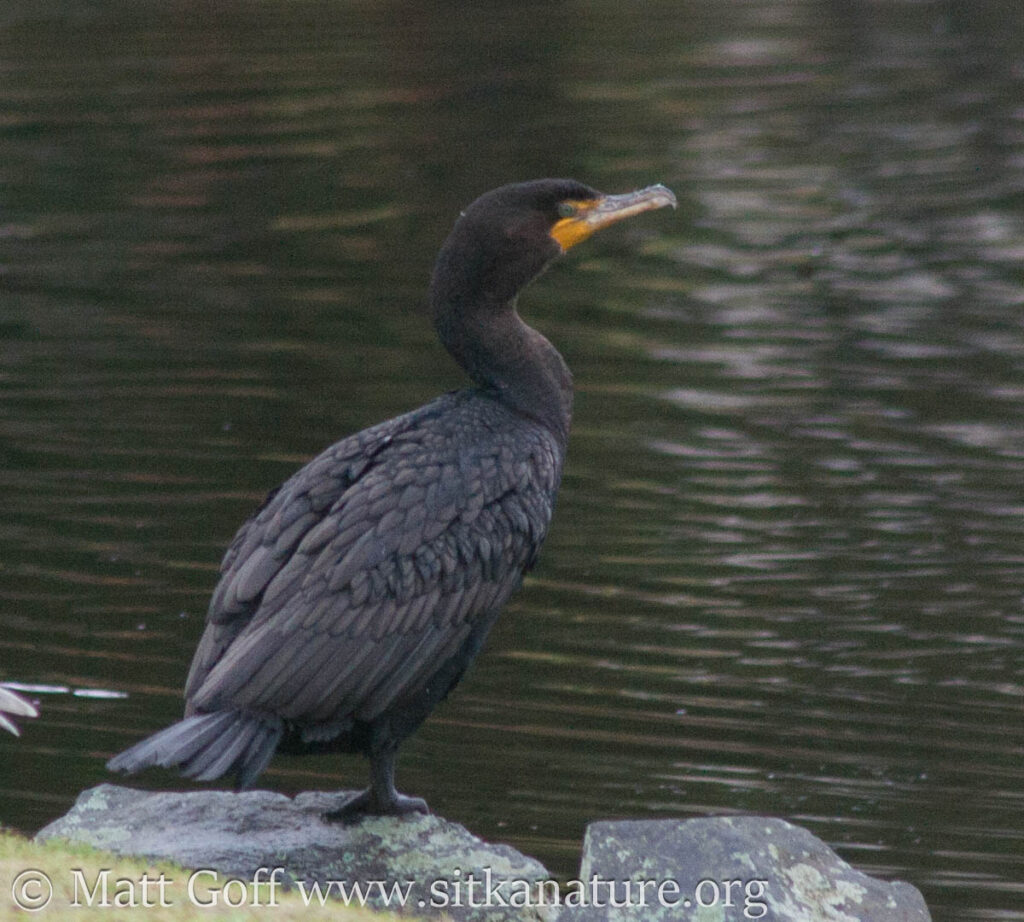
[566,210]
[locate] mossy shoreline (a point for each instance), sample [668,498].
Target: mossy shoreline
[60,880]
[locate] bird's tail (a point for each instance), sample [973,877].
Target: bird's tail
[206,746]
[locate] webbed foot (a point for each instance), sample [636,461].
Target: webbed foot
[368,804]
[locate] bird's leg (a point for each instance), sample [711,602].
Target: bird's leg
[380,798]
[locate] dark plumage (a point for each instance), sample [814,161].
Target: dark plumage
[355,599]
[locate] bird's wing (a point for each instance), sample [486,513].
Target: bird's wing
[265,543]
[419,549]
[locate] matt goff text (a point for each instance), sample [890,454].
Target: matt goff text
[207,889]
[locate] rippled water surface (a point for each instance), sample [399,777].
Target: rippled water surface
[787,567]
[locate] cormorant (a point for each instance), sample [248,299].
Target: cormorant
[357,596]
[14,705]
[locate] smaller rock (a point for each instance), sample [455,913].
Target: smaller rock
[440,866]
[729,869]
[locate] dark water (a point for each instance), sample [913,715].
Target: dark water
[787,568]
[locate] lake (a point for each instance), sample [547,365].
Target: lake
[787,567]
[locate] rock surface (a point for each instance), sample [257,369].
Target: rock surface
[235,834]
[714,869]
[780,873]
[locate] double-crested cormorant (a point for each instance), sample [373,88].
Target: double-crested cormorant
[12,705]
[355,599]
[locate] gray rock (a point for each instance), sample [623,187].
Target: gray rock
[235,834]
[782,873]
[718,869]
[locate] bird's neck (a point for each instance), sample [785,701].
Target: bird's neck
[509,359]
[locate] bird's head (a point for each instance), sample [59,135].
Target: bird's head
[509,235]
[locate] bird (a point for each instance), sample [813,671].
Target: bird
[12,704]
[354,600]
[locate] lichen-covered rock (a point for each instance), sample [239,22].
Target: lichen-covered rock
[729,869]
[716,869]
[433,862]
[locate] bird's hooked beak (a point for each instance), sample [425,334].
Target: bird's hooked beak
[585,217]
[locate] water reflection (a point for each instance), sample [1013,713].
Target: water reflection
[785,574]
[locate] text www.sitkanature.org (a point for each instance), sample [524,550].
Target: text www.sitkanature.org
[206,889]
